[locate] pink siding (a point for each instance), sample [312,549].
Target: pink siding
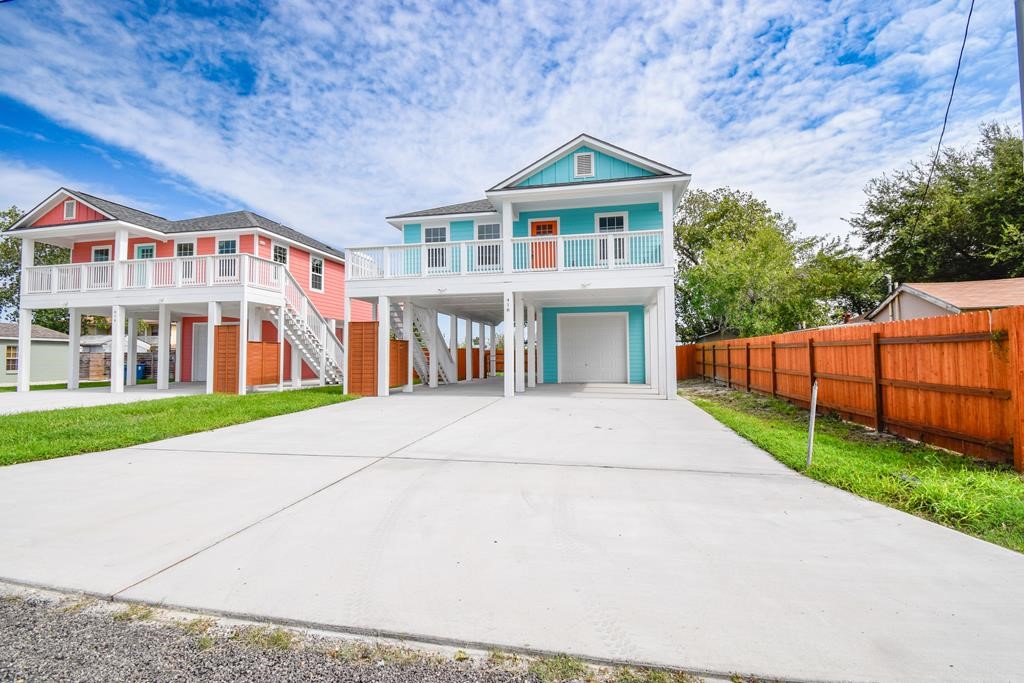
[245,244]
[83,214]
[205,246]
[82,251]
[264,247]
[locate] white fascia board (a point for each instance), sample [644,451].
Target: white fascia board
[83,229]
[587,190]
[400,223]
[593,143]
[146,297]
[50,202]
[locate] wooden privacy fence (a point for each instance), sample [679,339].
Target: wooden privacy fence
[362,359]
[955,381]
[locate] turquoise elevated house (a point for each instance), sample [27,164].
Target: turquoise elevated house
[569,260]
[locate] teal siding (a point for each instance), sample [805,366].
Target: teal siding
[581,221]
[412,233]
[460,231]
[635,325]
[605,168]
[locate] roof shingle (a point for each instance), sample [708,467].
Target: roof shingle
[975,293]
[10,331]
[477,206]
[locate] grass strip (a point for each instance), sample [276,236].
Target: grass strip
[41,435]
[976,498]
[64,385]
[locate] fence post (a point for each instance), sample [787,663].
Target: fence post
[771,346]
[876,379]
[748,367]
[728,365]
[1015,344]
[810,364]
[714,364]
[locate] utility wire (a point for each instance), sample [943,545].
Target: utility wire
[945,120]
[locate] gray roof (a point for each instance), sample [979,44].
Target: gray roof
[10,331]
[478,206]
[233,220]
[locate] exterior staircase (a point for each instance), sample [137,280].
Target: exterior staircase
[308,332]
[422,329]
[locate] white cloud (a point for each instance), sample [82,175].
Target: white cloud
[341,115]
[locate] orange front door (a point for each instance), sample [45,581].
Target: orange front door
[542,252]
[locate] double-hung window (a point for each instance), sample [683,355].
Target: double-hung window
[279,253]
[186,251]
[488,256]
[225,247]
[612,223]
[100,254]
[11,358]
[437,257]
[316,274]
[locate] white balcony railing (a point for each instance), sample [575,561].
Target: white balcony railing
[593,251]
[158,273]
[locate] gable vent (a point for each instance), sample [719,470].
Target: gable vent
[583,165]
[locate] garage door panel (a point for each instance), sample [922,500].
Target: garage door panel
[593,347]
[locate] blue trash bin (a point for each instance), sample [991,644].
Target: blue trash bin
[140,372]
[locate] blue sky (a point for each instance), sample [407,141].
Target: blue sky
[330,116]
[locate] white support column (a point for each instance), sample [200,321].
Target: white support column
[432,349]
[668,295]
[74,347]
[494,350]
[280,347]
[383,344]
[243,342]
[506,242]
[132,349]
[344,343]
[410,337]
[481,373]
[178,332]
[656,360]
[213,314]
[323,352]
[469,349]
[531,346]
[296,367]
[647,344]
[540,346]
[163,354]
[120,256]
[668,229]
[508,327]
[24,349]
[117,349]
[517,344]
[453,338]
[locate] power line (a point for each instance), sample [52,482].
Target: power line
[945,120]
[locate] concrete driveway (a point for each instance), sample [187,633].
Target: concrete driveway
[611,526]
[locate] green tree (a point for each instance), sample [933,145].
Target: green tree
[970,224]
[10,274]
[743,270]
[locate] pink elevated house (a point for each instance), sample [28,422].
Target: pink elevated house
[236,268]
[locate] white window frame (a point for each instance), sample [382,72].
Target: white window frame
[575,164]
[323,273]
[221,240]
[74,209]
[108,249]
[442,226]
[287,252]
[179,243]
[481,224]
[144,244]
[611,214]
[7,358]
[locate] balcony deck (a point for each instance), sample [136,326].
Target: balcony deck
[554,253]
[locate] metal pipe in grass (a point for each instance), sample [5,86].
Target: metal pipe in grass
[810,427]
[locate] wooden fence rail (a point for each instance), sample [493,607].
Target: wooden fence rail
[955,381]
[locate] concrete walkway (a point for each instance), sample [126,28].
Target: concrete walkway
[608,527]
[52,399]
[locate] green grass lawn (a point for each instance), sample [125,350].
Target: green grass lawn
[25,437]
[64,385]
[976,498]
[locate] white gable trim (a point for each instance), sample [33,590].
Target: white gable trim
[600,145]
[49,203]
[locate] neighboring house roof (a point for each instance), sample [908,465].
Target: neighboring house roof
[963,296]
[477,206]
[233,220]
[103,340]
[10,331]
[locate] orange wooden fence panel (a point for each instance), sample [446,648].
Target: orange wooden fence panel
[262,363]
[225,359]
[955,381]
[686,361]
[362,358]
[399,363]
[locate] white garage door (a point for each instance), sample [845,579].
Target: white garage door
[592,347]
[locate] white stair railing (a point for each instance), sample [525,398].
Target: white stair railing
[421,334]
[311,333]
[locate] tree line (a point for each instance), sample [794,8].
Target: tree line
[744,270]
